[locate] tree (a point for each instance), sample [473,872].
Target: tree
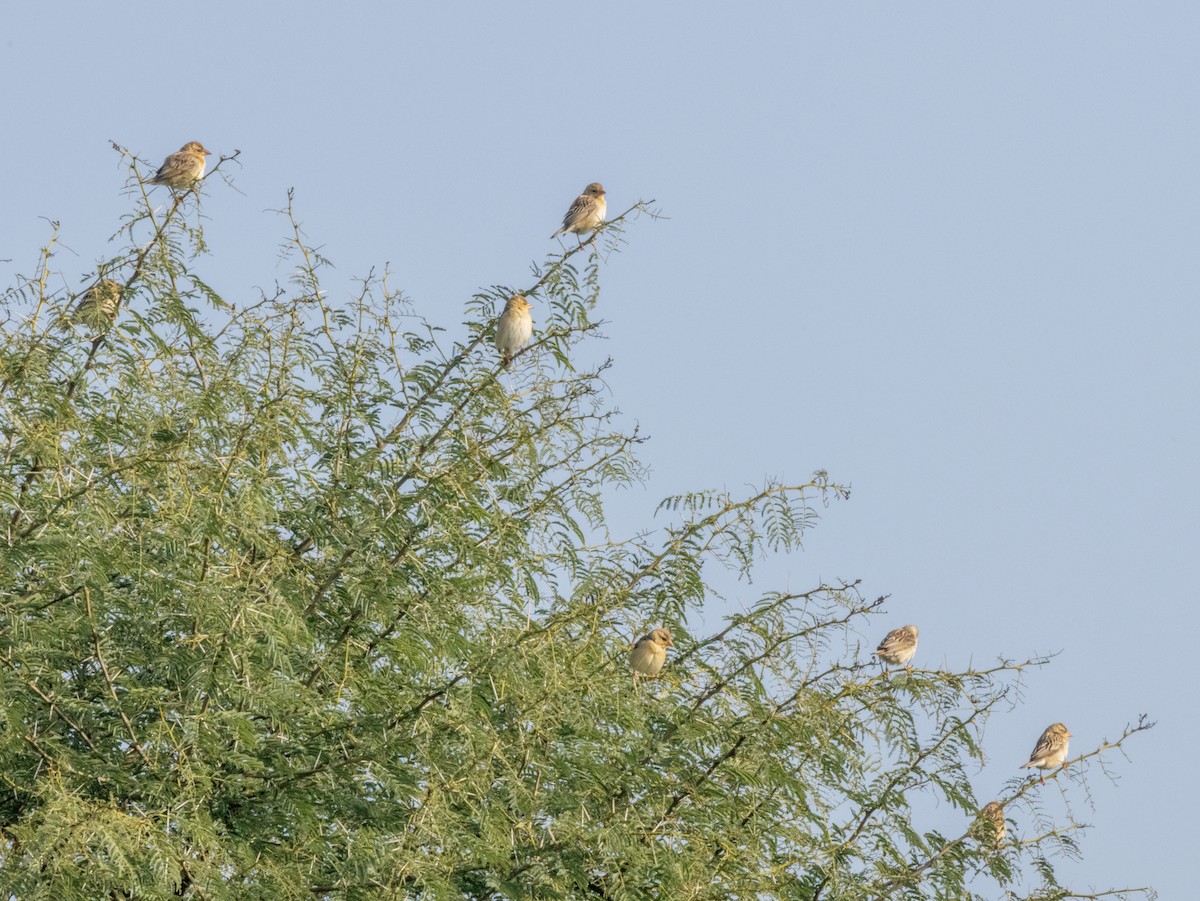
[305,599]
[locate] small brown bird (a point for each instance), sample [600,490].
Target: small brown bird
[183,167]
[586,213]
[898,646]
[649,653]
[1050,750]
[515,328]
[97,306]
[990,826]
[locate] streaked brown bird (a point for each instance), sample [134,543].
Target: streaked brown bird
[649,653]
[898,646]
[515,328]
[183,167]
[586,213]
[990,827]
[97,307]
[1051,749]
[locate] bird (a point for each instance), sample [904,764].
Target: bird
[649,653]
[183,167]
[1050,750]
[990,825]
[586,213]
[898,646]
[514,329]
[97,306]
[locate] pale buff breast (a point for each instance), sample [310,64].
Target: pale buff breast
[513,332]
[595,217]
[647,658]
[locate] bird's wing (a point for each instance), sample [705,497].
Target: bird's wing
[171,166]
[1046,746]
[895,640]
[580,209]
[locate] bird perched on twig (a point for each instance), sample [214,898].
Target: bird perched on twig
[183,167]
[515,328]
[586,213]
[97,306]
[1050,750]
[898,646]
[989,824]
[649,653]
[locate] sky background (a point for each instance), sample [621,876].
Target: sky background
[946,251]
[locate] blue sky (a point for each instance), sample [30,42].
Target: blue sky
[945,251]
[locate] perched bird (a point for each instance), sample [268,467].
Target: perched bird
[898,646]
[1051,749]
[515,327]
[97,307]
[989,824]
[586,213]
[183,167]
[649,653]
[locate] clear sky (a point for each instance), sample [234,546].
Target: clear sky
[946,251]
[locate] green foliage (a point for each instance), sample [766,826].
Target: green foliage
[305,599]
